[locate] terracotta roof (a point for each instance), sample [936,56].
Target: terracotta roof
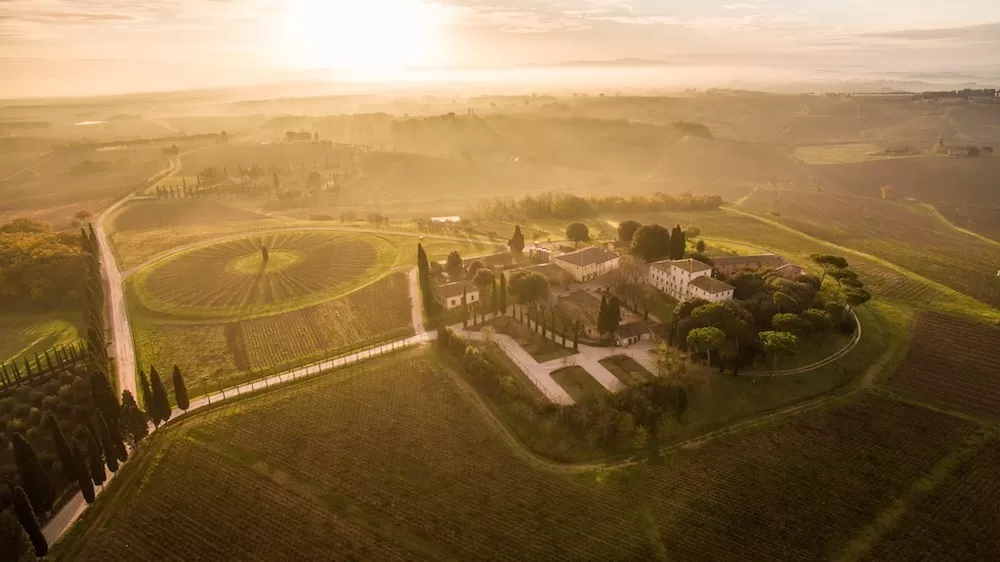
[711,285]
[588,256]
[449,290]
[495,260]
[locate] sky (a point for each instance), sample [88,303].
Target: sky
[70,47]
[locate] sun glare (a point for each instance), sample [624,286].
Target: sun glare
[365,35]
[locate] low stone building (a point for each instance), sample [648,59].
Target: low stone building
[731,265]
[449,295]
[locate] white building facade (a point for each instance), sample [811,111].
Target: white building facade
[688,278]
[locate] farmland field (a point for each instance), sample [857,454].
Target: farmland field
[390,459]
[958,521]
[841,153]
[906,234]
[953,362]
[234,350]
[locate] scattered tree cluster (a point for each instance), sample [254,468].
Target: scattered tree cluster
[39,267]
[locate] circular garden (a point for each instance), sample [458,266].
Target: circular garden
[300,267]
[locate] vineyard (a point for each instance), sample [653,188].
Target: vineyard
[381,461]
[388,460]
[232,276]
[955,363]
[958,521]
[906,234]
[231,351]
[799,490]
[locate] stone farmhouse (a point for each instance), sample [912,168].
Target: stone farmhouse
[449,295]
[688,278]
[588,263]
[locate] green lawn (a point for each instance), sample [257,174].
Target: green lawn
[577,382]
[627,370]
[541,349]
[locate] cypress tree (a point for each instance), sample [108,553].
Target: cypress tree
[104,397]
[503,294]
[107,443]
[160,401]
[29,522]
[62,448]
[681,243]
[132,421]
[422,264]
[602,315]
[147,398]
[516,242]
[33,477]
[83,474]
[117,441]
[180,391]
[95,459]
[14,542]
[495,297]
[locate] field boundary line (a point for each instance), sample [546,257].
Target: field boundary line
[933,210]
[902,271]
[887,519]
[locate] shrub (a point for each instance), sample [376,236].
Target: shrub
[847,325]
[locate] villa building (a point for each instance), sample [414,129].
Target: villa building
[688,278]
[588,263]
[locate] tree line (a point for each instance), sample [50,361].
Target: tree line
[569,206]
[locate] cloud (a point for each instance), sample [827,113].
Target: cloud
[740,6]
[983,32]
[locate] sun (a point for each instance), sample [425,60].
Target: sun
[363,35]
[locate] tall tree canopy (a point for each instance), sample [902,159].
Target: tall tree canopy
[627,230]
[528,286]
[651,243]
[578,232]
[39,266]
[454,266]
[35,481]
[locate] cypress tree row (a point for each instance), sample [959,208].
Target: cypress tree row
[107,444]
[26,516]
[95,459]
[160,401]
[83,474]
[14,542]
[116,440]
[180,391]
[35,481]
[62,448]
[503,294]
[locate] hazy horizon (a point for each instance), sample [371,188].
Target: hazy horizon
[85,47]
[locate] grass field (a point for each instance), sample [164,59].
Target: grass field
[955,363]
[626,369]
[577,382]
[908,235]
[238,349]
[390,459]
[26,333]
